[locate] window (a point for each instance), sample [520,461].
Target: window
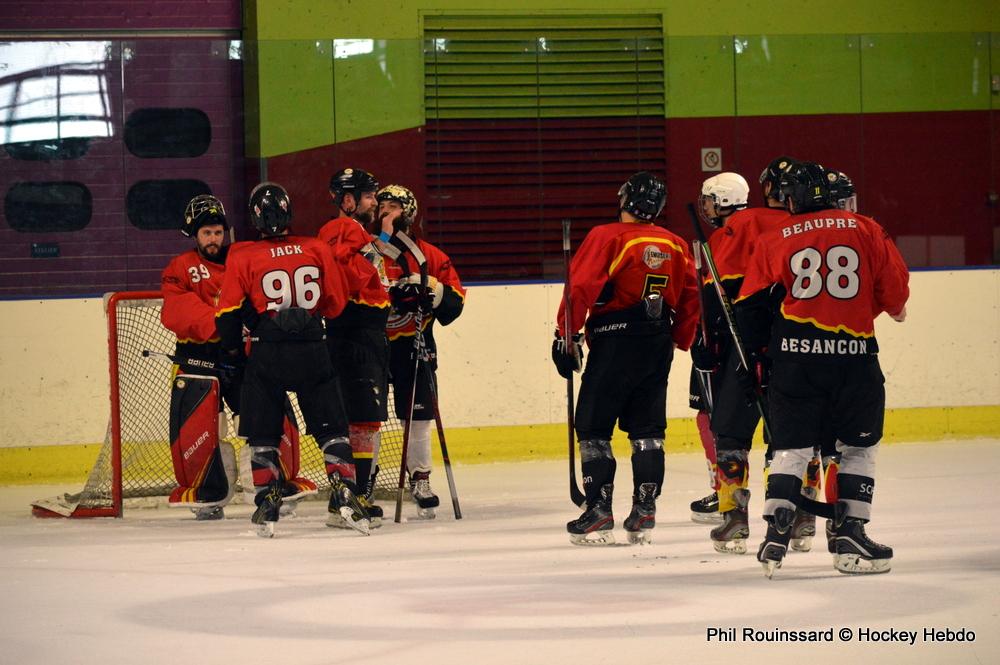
[169,133]
[155,205]
[45,207]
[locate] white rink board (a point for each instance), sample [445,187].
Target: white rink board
[494,362]
[503,585]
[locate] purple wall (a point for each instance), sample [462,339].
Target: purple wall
[120,15]
[110,253]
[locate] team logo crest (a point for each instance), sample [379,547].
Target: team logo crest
[653,257]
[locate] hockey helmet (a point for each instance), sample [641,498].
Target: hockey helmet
[270,209]
[643,196]
[722,195]
[203,210]
[771,175]
[805,187]
[404,198]
[842,194]
[351,181]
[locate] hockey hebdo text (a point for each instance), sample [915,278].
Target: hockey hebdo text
[859,634]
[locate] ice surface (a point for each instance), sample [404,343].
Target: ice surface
[502,585]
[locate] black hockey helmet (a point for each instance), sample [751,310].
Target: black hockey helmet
[806,185]
[842,194]
[643,196]
[351,181]
[404,198]
[203,210]
[270,209]
[772,174]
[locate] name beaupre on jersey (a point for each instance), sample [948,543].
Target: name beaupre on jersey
[839,271]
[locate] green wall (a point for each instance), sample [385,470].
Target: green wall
[724,58]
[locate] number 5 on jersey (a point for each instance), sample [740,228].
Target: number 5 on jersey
[655,284]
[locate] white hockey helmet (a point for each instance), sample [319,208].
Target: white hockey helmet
[722,195]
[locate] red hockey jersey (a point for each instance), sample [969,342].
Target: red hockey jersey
[839,270]
[619,264]
[281,272]
[440,268]
[732,247]
[191,285]
[352,247]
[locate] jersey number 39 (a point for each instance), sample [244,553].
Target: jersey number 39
[300,289]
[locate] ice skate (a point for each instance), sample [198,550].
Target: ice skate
[706,510]
[772,551]
[856,553]
[423,495]
[208,513]
[595,526]
[804,526]
[730,537]
[375,513]
[640,522]
[268,510]
[345,509]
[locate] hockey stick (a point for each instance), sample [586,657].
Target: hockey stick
[809,505]
[402,243]
[193,363]
[727,312]
[575,495]
[704,384]
[422,354]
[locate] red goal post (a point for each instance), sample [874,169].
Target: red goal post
[134,465]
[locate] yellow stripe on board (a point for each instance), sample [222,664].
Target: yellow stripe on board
[475,445]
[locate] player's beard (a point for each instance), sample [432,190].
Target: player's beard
[365,218]
[211,250]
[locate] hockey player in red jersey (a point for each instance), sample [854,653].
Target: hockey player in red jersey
[442,300]
[357,339]
[204,467]
[834,272]
[291,283]
[632,285]
[733,419]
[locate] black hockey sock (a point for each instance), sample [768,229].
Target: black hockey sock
[647,467]
[596,474]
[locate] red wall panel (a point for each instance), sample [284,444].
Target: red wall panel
[396,157]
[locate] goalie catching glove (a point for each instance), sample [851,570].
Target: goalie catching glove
[567,361]
[408,295]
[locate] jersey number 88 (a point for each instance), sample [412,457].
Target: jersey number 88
[842,281]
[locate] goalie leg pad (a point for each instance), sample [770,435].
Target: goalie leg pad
[202,470]
[294,487]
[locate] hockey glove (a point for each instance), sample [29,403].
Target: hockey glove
[435,289]
[407,297]
[704,358]
[567,361]
[754,381]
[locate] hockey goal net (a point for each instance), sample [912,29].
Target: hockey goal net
[134,465]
